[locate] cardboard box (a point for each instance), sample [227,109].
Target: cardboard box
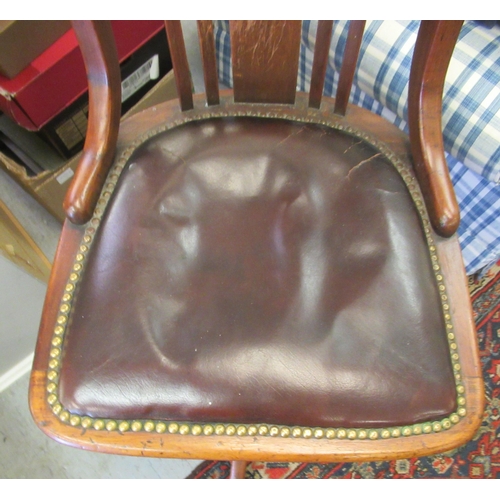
[49,188]
[57,78]
[23,41]
[139,73]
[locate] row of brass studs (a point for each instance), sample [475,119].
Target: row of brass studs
[220,429]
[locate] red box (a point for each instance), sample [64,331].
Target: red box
[57,77]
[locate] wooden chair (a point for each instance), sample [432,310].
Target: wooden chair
[260,274]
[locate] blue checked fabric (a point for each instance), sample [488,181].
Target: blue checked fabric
[471,110]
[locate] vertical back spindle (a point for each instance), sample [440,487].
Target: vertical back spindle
[320,62]
[180,64]
[207,48]
[346,77]
[265,56]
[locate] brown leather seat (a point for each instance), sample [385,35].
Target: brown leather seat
[246,265]
[251,276]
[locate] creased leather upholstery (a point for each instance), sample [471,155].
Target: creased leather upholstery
[252,270]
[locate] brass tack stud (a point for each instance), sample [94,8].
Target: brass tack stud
[285,432]
[52,375]
[341,433]
[436,426]
[86,422]
[330,433]
[385,434]
[427,428]
[417,429]
[196,430]
[307,433]
[263,430]
[407,431]
[52,399]
[56,342]
[219,429]
[274,431]
[462,412]
[446,423]
[396,433]
[230,430]
[73,277]
[53,363]
[149,426]
[64,416]
[296,432]
[454,418]
[241,430]
[456,366]
[352,434]
[184,429]
[453,346]
[373,435]
[161,427]
[208,430]
[136,426]
[64,308]
[70,287]
[75,420]
[123,426]
[54,353]
[66,297]
[99,425]
[319,433]
[252,430]
[61,320]
[461,400]
[173,428]
[77,267]
[57,408]
[51,387]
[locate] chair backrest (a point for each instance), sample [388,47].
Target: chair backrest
[265,57]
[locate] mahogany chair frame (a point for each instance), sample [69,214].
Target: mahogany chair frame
[97,171]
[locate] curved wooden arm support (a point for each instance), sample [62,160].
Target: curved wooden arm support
[101,61]
[435,43]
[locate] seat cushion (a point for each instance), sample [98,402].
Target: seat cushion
[259,270]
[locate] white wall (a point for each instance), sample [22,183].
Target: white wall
[21,301]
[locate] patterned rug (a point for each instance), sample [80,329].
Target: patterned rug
[480,458]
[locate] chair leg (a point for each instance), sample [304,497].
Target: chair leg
[238,468]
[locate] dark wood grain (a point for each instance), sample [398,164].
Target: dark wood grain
[434,47]
[346,77]
[320,62]
[180,64]
[207,48]
[97,42]
[265,56]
